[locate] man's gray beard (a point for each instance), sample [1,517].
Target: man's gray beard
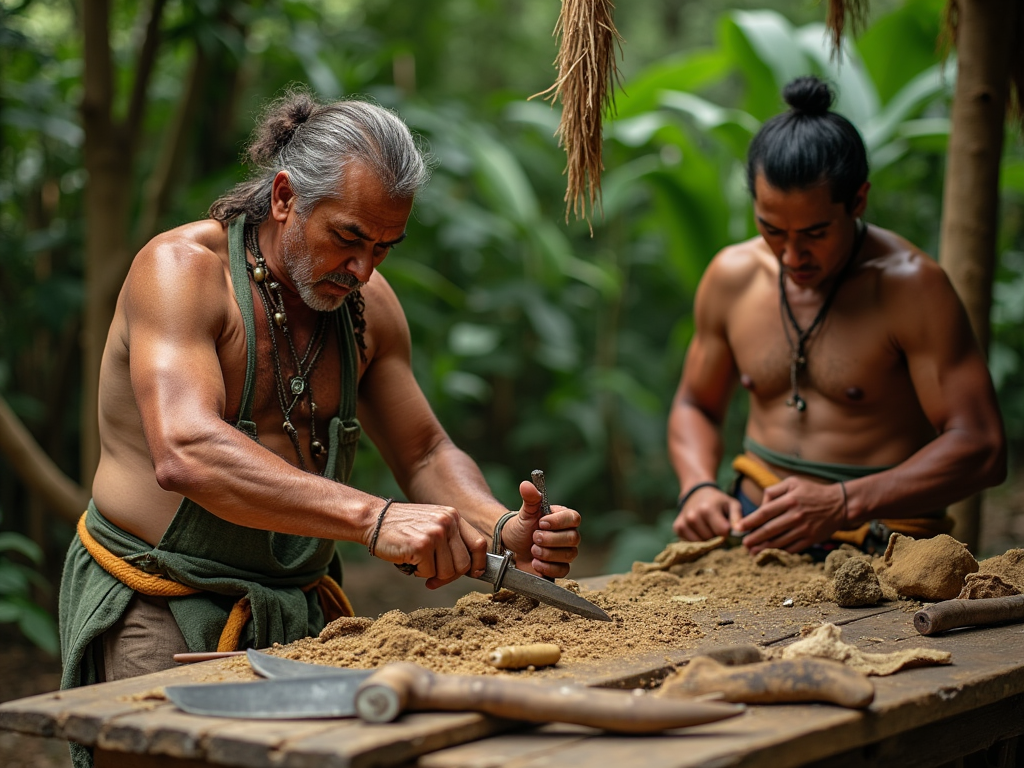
[298,265]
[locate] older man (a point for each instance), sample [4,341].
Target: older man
[247,353]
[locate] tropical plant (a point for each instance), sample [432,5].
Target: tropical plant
[16,584]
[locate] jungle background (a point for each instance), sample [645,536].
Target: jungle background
[539,343]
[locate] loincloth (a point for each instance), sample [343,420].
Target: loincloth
[871,536]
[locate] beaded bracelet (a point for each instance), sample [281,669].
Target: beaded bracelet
[846,508]
[497,547]
[697,487]
[376,530]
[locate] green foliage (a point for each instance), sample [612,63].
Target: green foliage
[16,583]
[539,345]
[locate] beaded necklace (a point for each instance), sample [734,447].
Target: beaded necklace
[797,346]
[301,384]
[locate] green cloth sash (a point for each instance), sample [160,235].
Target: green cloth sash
[201,550]
[826,471]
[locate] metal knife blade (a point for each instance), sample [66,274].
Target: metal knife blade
[546,591]
[278,667]
[298,698]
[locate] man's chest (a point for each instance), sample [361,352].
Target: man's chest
[848,355]
[301,379]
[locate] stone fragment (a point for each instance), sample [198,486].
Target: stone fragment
[982,585]
[679,552]
[927,569]
[825,642]
[856,584]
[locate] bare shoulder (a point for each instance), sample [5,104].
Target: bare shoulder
[904,270]
[733,274]
[734,268]
[184,268]
[922,309]
[387,330]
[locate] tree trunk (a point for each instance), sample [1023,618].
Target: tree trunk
[37,470]
[108,152]
[970,206]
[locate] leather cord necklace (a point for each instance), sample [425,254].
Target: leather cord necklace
[301,384]
[798,346]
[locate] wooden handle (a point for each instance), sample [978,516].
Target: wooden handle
[403,686]
[189,658]
[522,656]
[776,682]
[951,614]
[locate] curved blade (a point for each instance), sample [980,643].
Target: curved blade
[278,667]
[546,591]
[272,699]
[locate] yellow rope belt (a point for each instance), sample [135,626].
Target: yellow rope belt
[918,527]
[333,601]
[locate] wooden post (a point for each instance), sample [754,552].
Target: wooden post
[970,206]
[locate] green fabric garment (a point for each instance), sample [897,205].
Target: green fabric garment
[833,472]
[201,550]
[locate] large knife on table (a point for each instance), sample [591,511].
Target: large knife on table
[502,573]
[380,696]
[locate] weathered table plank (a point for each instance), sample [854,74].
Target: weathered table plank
[131,726]
[924,716]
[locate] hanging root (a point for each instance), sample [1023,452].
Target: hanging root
[587,76]
[838,13]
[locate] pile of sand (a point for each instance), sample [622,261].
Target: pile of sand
[663,606]
[652,610]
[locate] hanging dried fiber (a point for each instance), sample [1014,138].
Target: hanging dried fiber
[1015,106]
[587,76]
[839,11]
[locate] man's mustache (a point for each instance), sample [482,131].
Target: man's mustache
[343,279]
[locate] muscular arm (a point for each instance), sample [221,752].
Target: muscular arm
[177,304]
[952,383]
[698,411]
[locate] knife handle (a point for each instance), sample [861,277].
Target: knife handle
[537,478]
[190,658]
[403,686]
[950,614]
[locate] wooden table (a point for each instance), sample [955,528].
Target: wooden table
[922,717]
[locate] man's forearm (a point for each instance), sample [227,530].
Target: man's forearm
[244,483]
[695,446]
[448,476]
[952,467]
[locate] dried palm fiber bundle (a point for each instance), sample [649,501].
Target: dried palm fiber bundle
[839,11]
[587,76]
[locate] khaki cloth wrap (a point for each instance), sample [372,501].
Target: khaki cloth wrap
[227,586]
[918,527]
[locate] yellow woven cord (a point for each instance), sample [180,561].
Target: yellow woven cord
[146,583]
[333,600]
[918,527]
[240,614]
[759,473]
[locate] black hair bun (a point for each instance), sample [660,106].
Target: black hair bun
[808,95]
